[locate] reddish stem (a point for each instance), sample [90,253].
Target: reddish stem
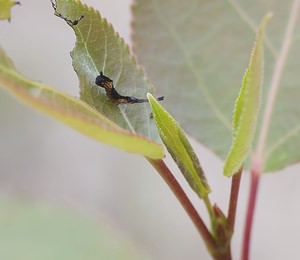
[259,156]
[255,177]
[168,177]
[234,194]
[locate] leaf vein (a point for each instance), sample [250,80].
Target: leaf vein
[193,69]
[246,18]
[282,140]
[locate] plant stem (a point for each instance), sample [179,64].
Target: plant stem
[168,177]
[255,174]
[234,194]
[208,206]
[258,159]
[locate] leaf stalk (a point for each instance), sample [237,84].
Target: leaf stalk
[255,177]
[234,193]
[173,184]
[258,159]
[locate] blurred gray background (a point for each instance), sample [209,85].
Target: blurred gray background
[45,160]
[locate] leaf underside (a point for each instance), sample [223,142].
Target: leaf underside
[197,54]
[73,112]
[100,48]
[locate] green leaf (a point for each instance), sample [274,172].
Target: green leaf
[247,106]
[5,9]
[74,112]
[100,48]
[31,231]
[179,147]
[196,53]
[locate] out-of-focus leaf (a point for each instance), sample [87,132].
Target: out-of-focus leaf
[179,147]
[100,48]
[74,112]
[5,9]
[197,52]
[247,107]
[30,231]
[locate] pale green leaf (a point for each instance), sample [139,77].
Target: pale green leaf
[74,112]
[100,48]
[5,9]
[247,107]
[31,231]
[196,53]
[179,147]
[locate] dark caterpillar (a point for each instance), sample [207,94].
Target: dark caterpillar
[107,83]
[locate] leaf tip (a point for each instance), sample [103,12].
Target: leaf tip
[150,97]
[265,20]
[269,15]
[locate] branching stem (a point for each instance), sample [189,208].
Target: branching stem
[168,177]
